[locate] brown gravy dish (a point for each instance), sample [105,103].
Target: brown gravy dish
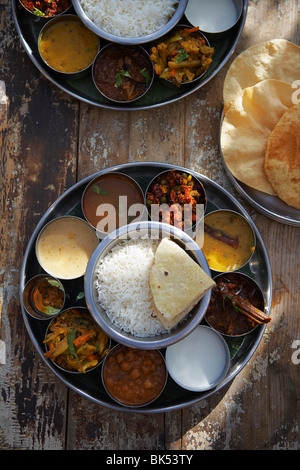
[122,73]
[222,314]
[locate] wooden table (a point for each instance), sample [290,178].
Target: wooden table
[49,141]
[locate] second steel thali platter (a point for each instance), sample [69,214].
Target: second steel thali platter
[173,396]
[84,89]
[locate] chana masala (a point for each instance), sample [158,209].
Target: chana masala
[134,377]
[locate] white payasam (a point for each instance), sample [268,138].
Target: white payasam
[129,18]
[123,289]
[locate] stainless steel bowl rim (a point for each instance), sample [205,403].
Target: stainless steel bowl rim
[131,40]
[75,372]
[158,341]
[120,402]
[47,25]
[254,239]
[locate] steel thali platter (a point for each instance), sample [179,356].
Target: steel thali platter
[84,89]
[174,397]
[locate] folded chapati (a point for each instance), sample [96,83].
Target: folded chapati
[177,283]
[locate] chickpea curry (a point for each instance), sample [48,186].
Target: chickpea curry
[182,57]
[75,343]
[134,377]
[179,191]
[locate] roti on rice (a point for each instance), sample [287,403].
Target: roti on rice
[177,283]
[282,158]
[245,129]
[277,59]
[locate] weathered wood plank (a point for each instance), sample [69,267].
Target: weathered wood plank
[37,163]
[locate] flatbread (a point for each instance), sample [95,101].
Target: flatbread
[246,127]
[277,59]
[177,283]
[282,158]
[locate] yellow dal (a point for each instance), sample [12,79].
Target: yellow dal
[68,46]
[221,256]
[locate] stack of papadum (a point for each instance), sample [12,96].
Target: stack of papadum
[260,135]
[177,283]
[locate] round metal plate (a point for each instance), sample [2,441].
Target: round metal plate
[84,88]
[271,206]
[173,397]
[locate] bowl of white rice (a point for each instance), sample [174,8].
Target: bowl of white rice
[118,292]
[130,21]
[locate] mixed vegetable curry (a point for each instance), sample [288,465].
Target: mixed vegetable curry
[179,191]
[75,342]
[182,56]
[47,8]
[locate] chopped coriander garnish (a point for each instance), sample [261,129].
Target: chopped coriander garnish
[182,55]
[98,190]
[38,12]
[146,75]
[119,75]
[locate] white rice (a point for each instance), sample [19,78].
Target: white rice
[123,289]
[129,18]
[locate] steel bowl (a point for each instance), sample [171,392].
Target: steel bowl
[115,350]
[210,28]
[138,230]
[184,84]
[130,40]
[37,17]
[69,371]
[73,75]
[125,50]
[29,304]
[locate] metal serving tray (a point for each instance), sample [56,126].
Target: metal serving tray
[28,28]
[89,384]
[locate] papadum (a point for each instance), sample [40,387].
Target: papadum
[246,128]
[177,283]
[277,59]
[282,158]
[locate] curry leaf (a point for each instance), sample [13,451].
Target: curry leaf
[146,75]
[182,55]
[70,338]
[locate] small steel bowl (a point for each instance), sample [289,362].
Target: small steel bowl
[137,230]
[208,28]
[143,213]
[124,49]
[188,361]
[72,75]
[247,325]
[28,299]
[189,228]
[167,82]
[70,250]
[115,350]
[38,18]
[84,310]
[249,227]
[83,15]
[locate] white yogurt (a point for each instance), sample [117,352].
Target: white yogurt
[199,361]
[212,16]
